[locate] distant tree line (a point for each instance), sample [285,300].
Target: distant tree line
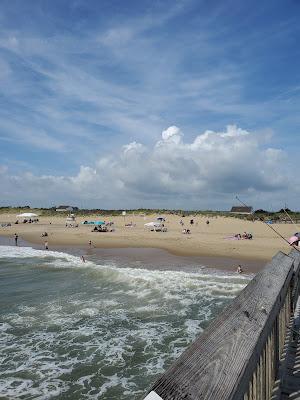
[259,213]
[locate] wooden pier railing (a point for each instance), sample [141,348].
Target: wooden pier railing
[238,356]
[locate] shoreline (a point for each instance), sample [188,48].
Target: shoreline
[213,244]
[149,257]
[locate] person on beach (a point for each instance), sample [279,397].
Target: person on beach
[46,245]
[90,243]
[82,259]
[207,222]
[16,239]
[239,269]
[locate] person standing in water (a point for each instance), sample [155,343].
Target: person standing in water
[46,245]
[239,269]
[16,239]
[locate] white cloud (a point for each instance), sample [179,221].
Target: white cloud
[172,135]
[207,172]
[132,148]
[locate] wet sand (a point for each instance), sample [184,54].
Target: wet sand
[150,258]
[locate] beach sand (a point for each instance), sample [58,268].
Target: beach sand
[208,243]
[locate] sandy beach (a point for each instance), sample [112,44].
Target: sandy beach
[213,240]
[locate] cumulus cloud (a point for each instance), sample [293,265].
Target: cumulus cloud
[133,148]
[215,165]
[172,135]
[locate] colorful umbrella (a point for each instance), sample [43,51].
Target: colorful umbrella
[293,240]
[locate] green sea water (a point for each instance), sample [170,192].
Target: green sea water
[100,329]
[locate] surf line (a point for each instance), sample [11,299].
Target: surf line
[268,225]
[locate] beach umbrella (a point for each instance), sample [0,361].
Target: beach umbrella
[27,215]
[293,240]
[297,234]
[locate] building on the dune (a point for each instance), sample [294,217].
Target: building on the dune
[241,210]
[66,208]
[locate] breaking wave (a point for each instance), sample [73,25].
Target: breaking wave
[97,329]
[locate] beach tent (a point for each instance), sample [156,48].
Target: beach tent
[161,219]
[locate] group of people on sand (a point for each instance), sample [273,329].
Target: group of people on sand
[130,225]
[28,221]
[186,232]
[245,235]
[100,228]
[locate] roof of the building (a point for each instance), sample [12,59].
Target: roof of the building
[247,210]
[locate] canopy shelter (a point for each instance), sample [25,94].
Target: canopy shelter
[153,225]
[27,215]
[71,218]
[93,223]
[71,221]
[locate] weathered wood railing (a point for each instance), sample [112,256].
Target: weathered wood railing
[238,356]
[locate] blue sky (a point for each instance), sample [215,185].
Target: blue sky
[81,80]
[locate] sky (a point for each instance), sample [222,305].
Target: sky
[150,104]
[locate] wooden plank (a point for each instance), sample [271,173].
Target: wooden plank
[268,381]
[221,362]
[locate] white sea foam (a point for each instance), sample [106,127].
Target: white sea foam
[68,260]
[117,327]
[172,283]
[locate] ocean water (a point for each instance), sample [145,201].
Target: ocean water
[99,329]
